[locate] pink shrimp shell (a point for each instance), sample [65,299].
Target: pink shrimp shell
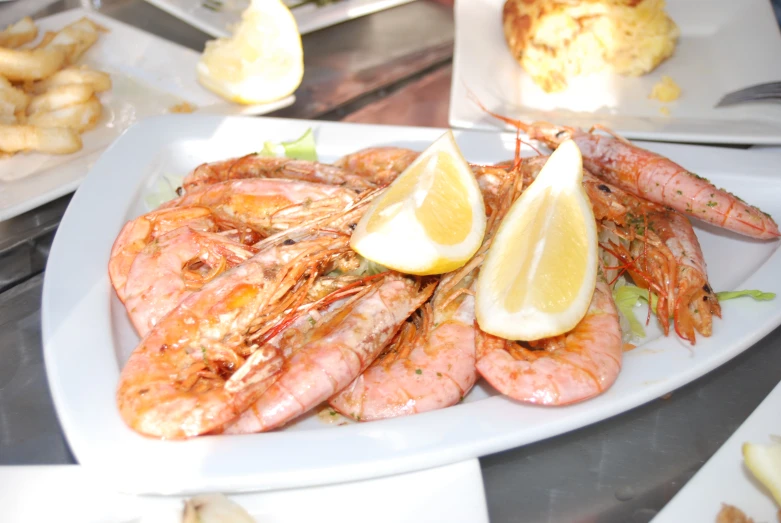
[561,376]
[327,364]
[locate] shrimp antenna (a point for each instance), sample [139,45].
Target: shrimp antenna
[609,131]
[515,123]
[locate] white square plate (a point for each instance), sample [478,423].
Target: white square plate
[87,336]
[452,493]
[725,479]
[724,45]
[149,75]
[216,17]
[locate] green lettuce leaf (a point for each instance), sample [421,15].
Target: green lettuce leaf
[626,297]
[163,191]
[301,149]
[757,295]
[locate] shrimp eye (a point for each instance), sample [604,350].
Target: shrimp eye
[179,191]
[289,241]
[352,226]
[561,134]
[603,188]
[704,298]
[707,288]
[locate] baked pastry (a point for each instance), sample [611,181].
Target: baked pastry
[555,40]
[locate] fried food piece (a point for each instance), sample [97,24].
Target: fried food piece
[12,99]
[555,40]
[98,80]
[24,64]
[184,107]
[730,514]
[80,117]
[18,138]
[48,36]
[60,96]
[18,33]
[74,39]
[665,90]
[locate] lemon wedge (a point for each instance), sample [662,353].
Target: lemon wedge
[540,271]
[764,461]
[261,62]
[430,220]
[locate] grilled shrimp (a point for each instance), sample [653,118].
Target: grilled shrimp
[173,266]
[142,231]
[246,209]
[566,369]
[199,366]
[655,178]
[657,247]
[329,356]
[256,166]
[266,205]
[379,165]
[429,365]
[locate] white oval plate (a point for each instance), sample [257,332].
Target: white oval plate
[87,336]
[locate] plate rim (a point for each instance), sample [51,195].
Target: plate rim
[333,16]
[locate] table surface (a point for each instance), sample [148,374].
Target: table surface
[394,67]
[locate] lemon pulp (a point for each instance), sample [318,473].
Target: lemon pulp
[430,220]
[261,62]
[540,271]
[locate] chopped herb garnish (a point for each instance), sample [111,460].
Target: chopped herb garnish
[418,371]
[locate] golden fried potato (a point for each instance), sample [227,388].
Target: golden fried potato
[25,64]
[12,97]
[19,138]
[98,80]
[48,36]
[74,39]
[19,33]
[60,96]
[80,117]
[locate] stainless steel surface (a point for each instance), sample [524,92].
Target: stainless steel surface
[621,470]
[756,93]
